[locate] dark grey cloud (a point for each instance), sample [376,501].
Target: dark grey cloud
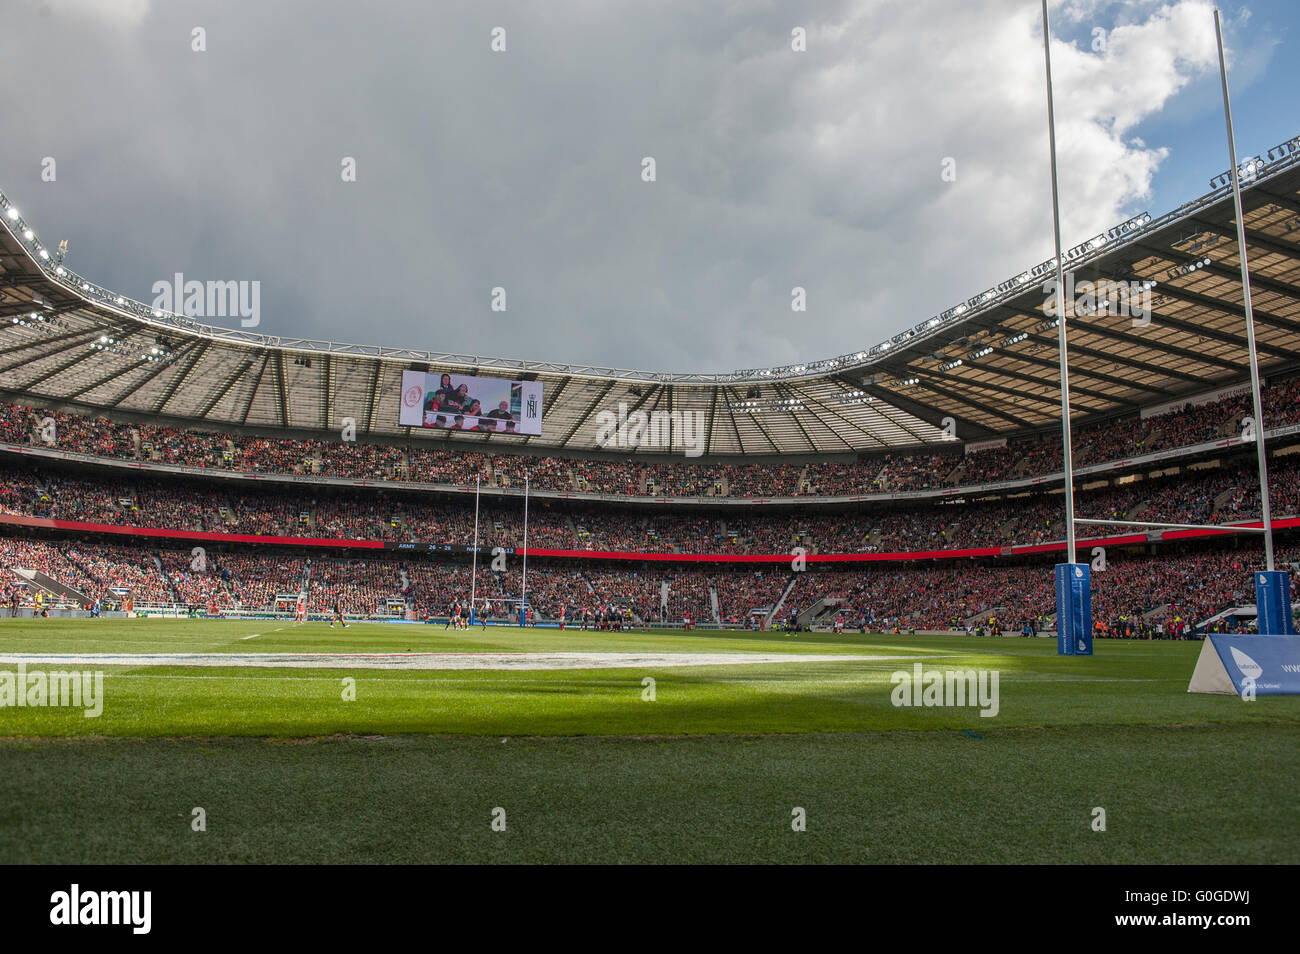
[522,169]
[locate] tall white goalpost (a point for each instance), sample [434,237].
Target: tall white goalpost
[1073,579]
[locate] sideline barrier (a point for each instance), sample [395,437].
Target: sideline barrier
[1248,666]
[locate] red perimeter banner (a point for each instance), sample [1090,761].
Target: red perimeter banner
[738,558]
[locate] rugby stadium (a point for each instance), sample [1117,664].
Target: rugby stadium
[189,510]
[950,598]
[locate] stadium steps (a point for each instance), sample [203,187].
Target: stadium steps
[1243,610]
[1155,611]
[871,482]
[771,615]
[1137,510]
[713,604]
[811,614]
[1222,499]
[827,616]
[52,586]
[984,614]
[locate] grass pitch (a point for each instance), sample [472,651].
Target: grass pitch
[288,769]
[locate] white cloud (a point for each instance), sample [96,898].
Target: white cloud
[820,169]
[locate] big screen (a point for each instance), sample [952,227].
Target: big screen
[467,402]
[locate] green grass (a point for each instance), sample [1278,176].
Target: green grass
[1126,683]
[1014,796]
[290,772]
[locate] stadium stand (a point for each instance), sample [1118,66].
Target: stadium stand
[1138,595]
[920,476]
[1032,456]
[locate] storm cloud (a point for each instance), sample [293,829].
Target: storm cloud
[522,168]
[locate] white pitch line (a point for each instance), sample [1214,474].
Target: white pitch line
[442,661]
[250,637]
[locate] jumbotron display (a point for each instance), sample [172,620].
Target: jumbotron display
[466,402]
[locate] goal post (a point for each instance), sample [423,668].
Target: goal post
[1073,609]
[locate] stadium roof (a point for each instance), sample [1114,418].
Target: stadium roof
[989,363]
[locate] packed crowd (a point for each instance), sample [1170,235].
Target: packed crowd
[1219,494]
[1156,593]
[1133,595]
[1023,457]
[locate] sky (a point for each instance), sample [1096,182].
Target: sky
[501,205]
